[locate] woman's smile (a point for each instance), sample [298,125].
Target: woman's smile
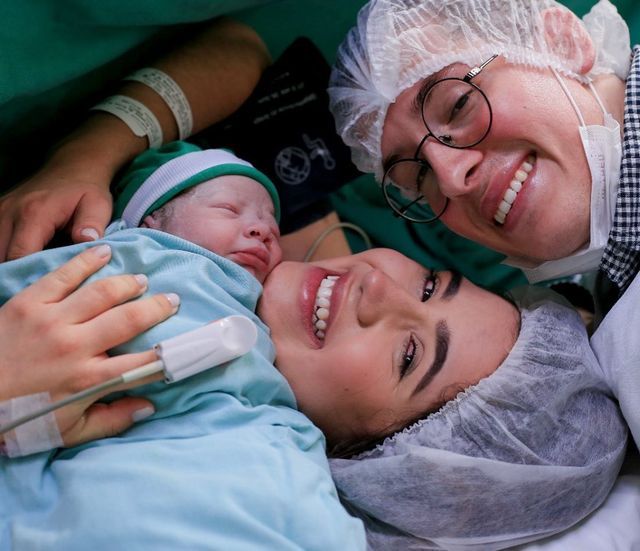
[322,311]
[509,196]
[370,341]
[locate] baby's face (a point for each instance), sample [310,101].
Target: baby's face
[232,216]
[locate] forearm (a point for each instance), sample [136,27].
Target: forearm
[217,70]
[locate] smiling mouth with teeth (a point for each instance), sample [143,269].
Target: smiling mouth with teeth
[514,188]
[323,305]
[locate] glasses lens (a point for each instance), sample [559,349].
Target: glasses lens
[457,113]
[398,185]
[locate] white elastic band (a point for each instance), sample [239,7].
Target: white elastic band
[37,435]
[569,96]
[167,88]
[137,116]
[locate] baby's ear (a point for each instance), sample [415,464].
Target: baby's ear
[568,39]
[150,221]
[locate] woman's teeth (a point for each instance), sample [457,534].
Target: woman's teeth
[514,187]
[323,305]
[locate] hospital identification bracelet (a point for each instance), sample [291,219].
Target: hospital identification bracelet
[167,88]
[137,116]
[35,436]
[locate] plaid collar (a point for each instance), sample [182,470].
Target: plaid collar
[621,259]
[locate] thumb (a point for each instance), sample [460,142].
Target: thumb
[91,217]
[105,420]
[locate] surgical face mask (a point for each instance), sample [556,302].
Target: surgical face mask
[603,148]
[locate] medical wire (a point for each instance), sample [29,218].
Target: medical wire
[346,225]
[127,377]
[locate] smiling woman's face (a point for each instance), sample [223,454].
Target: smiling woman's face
[534,141]
[395,340]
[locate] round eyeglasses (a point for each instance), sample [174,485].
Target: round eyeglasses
[456,113]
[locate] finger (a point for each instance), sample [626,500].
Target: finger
[61,282]
[99,296]
[124,322]
[30,234]
[102,370]
[117,365]
[92,215]
[105,420]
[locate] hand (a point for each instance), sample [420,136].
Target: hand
[54,337]
[72,190]
[54,198]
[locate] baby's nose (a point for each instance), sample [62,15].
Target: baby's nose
[259,229]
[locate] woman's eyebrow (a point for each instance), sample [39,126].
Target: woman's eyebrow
[427,83]
[442,347]
[453,286]
[388,161]
[416,109]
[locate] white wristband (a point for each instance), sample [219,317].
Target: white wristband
[37,435]
[137,116]
[167,88]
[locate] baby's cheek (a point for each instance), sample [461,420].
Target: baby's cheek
[276,257]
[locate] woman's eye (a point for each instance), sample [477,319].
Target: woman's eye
[408,357]
[429,286]
[459,106]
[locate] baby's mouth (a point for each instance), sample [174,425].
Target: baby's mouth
[514,188]
[323,305]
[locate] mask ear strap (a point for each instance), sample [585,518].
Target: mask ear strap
[593,91]
[568,94]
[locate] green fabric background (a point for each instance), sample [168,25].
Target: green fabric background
[59,58]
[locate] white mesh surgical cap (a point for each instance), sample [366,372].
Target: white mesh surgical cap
[525,453]
[396,43]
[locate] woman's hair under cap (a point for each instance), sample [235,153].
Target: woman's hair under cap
[527,452]
[396,43]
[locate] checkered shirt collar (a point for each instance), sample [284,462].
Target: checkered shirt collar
[621,259]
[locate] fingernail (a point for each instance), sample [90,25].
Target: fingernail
[102,251]
[143,413]
[173,299]
[142,280]
[91,233]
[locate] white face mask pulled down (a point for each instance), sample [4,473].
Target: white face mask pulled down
[602,145]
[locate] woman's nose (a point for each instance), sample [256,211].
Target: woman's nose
[381,299]
[454,169]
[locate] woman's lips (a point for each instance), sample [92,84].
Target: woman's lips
[310,284]
[322,309]
[309,294]
[506,190]
[515,187]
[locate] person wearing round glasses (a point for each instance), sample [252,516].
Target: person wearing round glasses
[504,121]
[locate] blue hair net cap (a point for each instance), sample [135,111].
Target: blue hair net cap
[526,453]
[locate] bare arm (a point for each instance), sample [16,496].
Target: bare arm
[217,70]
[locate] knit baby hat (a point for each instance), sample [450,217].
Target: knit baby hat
[158,175]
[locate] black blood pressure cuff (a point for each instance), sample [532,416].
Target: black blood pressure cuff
[285,130]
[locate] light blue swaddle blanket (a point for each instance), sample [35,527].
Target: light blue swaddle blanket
[227,462]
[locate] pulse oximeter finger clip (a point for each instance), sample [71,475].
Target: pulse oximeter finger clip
[179,357]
